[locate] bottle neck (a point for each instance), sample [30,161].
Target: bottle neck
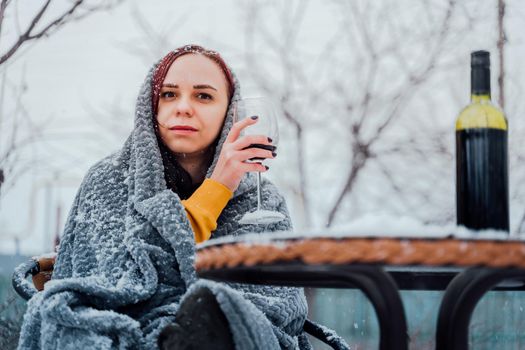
[480,98]
[480,83]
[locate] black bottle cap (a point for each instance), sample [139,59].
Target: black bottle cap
[480,59]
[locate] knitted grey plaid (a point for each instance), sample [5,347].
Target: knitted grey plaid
[126,260]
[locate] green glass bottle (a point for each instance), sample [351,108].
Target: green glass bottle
[482,185]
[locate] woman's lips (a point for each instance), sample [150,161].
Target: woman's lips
[183,130]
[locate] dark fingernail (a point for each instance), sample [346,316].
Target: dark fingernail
[270,139]
[254,117]
[274,154]
[267,167]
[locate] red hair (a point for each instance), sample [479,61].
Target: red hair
[167,61]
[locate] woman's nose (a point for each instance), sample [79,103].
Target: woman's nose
[184,107]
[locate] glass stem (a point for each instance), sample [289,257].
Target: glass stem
[259,191]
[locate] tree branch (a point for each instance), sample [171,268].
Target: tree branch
[362,149]
[3,6]
[501,52]
[26,35]
[62,19]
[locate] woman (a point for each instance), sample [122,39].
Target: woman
[124,271]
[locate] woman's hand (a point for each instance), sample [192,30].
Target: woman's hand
[231,165]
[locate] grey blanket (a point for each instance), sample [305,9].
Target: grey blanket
[126,259]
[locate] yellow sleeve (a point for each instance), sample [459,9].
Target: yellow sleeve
[204,207]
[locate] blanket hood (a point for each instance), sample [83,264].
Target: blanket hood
[145,150]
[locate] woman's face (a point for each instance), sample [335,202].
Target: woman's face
[192,104]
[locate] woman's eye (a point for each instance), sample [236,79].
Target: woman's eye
[167,94]
[204,96]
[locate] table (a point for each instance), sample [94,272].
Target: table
[465,267]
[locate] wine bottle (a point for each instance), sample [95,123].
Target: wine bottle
[482,192]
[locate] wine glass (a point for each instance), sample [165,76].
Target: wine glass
[266,125]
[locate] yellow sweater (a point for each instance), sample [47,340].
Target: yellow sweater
[204,207]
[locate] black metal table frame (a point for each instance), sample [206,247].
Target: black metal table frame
[380,285]
[461,297]
[377,285]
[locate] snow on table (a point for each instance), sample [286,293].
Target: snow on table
[370,226]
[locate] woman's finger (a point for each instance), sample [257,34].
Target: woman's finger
[253,167]
[250,153]
[239,126]
[246,141]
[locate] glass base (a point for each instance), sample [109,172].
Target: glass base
[261,217]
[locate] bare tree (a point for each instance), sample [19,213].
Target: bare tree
[281,43]
[15,123]
[352,90]
[516,156]
[19,132]
[502,39]
[414,75]
[38,27]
